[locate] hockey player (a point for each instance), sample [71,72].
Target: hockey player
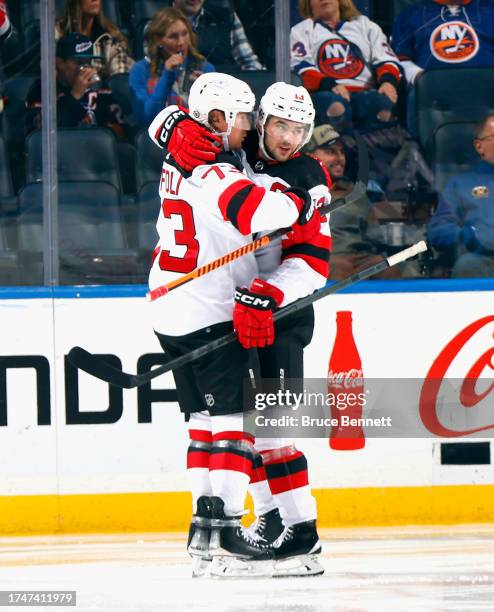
[289,268]
[203,216]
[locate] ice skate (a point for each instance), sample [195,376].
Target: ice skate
[267,527]
[198,541]
[296,551]
[235,553]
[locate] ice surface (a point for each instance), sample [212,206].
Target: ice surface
[399,569]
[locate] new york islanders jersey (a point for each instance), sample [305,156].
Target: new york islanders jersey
[202,218]
[429,35]
[355,54]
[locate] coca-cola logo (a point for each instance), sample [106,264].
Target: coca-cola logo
[346,380]
[468,395]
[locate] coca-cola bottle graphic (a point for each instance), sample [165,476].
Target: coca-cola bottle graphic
[345,387]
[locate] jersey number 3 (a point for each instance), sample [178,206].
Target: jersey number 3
[184,248]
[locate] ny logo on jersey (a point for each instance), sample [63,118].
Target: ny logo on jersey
[454,42]
[209,399]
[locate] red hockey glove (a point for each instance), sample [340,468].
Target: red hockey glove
[308,223]
[190,143]
[253,313]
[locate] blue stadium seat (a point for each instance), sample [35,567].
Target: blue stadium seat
[92,241]
[453,151]
[149,160]
[148,207]
[83,155]
[9,265]
[7,197]
[456,94]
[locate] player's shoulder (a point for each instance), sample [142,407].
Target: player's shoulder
[312,166]
[226,165]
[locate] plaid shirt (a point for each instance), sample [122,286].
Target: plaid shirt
[242,52]
[117,58]
[241,49]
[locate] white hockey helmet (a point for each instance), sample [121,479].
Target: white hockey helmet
[287,102]
[216,90]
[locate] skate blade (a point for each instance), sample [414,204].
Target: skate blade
[233,567]
[298,567]
[200,567]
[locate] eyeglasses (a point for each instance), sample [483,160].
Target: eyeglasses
[488,138]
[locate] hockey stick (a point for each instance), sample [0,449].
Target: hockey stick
[101,369]
[358,191]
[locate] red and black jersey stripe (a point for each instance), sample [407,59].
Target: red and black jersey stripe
[314,252]
[239,202]
[288,473]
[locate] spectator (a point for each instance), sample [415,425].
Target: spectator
[173,64]
[464,219]
[342,57]
[86,17]
[444,34]
[220,32]
[82,98]
[352,248]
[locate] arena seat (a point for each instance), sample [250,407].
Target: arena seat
[92,242]
[448,95]
[149,160]
[148,207]
[453,151]
[9,265]
[7,197]
[83,155]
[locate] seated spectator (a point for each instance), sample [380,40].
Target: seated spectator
[342,57]
[86,17]
[82,98]
[173,64]
[444,34]
[221,35]
[352,249]
[464,219]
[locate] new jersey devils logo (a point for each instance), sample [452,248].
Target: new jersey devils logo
[468,397]
[454,42]
[337,59]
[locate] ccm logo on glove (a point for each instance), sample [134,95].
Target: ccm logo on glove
[252,300]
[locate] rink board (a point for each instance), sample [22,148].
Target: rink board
[75,456]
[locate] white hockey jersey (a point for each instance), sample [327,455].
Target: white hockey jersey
[202,218]
[355,54]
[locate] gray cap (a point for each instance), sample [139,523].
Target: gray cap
[322,136]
